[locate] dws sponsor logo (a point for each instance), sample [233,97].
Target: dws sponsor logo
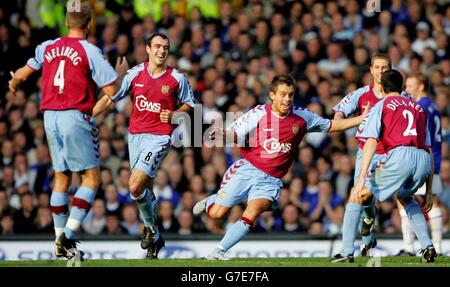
[143,105]
[273,146]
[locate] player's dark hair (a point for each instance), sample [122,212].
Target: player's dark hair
[150,38]
[286,79]
[392,81]
[421,80]
[382,57]
[78,16]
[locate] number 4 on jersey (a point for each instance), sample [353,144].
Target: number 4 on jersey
[58,80]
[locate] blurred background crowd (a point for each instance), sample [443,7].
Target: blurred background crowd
[229,50]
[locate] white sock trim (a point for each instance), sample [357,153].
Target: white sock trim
[408,235]
[73,224]
[435,212]
[141,196]
[58,231]
[436,232]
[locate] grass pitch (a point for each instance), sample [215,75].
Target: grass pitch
[237,262]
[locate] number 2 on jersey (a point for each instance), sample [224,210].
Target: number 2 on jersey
[58,80]
[410,117]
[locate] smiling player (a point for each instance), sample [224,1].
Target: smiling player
[270,135]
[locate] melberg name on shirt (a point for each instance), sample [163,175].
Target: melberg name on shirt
[63,52]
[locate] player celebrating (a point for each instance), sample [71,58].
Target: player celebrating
[155,89]
[274,132]
[356,102]
[400,124]
[416,86]
[70,69]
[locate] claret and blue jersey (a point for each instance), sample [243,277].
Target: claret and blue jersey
[151,95]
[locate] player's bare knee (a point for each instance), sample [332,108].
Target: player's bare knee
[215,215]
[62,181]
[61,185]
[136,186]
[90,178]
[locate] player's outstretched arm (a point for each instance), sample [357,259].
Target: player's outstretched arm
[104,101]
[339,116]
[19,77]
[110,90]
[339,125]
[101,105]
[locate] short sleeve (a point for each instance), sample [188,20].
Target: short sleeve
[185,94]
[38,60]
[126,82]
[314,122]
[102,72]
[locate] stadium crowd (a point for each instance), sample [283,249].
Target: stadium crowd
[230,51]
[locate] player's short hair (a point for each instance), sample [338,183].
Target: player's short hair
[150,38]
[421,80]
[286,79]
[382,57]
[392,81]
[80,16]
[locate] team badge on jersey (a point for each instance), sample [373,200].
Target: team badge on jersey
[295,129]
[222,194]
[165,89]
